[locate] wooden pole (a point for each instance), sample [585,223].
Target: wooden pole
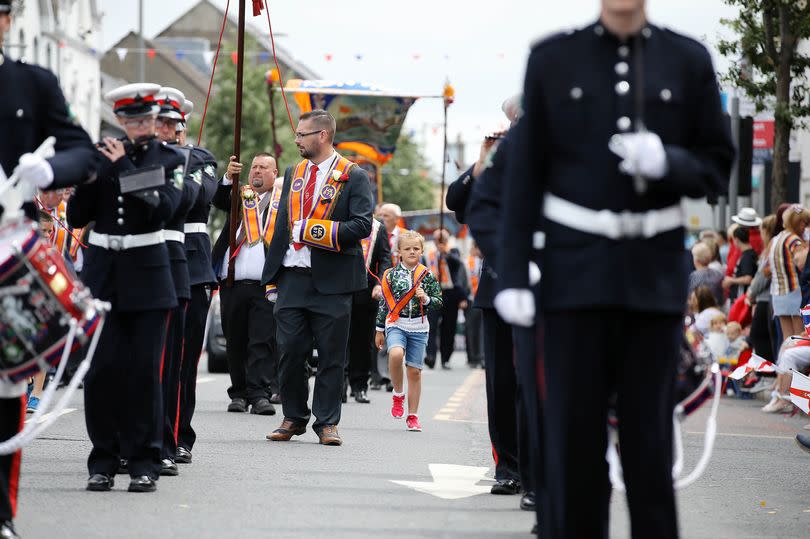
[276,145]
[237,140]
[441,199]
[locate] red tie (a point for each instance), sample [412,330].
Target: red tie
[309,195]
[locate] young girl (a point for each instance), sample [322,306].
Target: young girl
[409,291]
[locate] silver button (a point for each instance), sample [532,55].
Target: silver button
[666,95]
[598,30]
[576,93]
[120,211]
[646,32]
[19,113]
[120,221]
[155,193]
[624,123]
[622,69]
[622,87]
[120,200]
[624,51]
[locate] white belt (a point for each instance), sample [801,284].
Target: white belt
[174,235]
[611,224]
[122,243]
[195,228]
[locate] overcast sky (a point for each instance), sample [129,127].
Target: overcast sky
[415,45]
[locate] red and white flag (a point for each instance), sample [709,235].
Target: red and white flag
[755,363]
[800,391]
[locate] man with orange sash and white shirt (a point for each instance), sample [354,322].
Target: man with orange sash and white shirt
[391,215]
[314,265]
[247,319]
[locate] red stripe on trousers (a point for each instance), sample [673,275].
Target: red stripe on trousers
[14,476]
[165,340]
[180,377]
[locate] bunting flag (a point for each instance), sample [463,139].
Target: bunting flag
[122,53]
[800,392]
[235,57]
[755,363]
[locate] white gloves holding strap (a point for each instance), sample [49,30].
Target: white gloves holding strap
[516,305]
[641,153]
[34,170]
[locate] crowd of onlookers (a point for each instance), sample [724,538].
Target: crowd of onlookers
[746,294]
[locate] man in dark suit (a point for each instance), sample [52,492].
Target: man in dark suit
[127,264]
[248,321]
[202,281]
[607,193]
[32,108]
[377,256]
[315,262]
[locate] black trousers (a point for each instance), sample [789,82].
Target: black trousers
[474,335]
[529,424]
[250,328]
[361,342]
[196,315]
[501,395]
[12,419]
[303,314]
[123,406]
[593,355]
[443,326]
[170,378]
[762,329]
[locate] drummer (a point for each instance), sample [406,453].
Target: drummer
[32,108]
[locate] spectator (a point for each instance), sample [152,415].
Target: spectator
[794,355]
[759,296]
[704,307]
[786,258]
[746,265]
[473,317]
[703,275]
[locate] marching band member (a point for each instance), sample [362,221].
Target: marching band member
[171,102]
[602,160]
[127,264]
[32,108]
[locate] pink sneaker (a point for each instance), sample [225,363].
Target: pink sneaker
[398,407]
[412,422]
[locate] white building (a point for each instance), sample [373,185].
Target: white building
[65,37]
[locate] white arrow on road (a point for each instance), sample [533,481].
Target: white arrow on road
[451,481]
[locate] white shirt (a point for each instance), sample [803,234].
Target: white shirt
[303,257]
[249,262]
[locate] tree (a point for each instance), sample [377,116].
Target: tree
[767,65]
[406,177]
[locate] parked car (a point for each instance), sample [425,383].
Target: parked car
[215,339]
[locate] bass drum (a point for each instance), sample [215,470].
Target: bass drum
[39,296]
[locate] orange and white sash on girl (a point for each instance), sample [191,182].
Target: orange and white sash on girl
[317,230]
[395,306]
[60,234]
[443,276]
[368,243]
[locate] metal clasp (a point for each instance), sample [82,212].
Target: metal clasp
[116,244]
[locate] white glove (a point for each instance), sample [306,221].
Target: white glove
[516,306]
[296,231]
[641,153]
[534,274]
[34,170]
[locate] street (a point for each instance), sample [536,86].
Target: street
[241,485]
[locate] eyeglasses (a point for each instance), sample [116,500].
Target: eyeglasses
[302,135]
[142,122]
[161,122]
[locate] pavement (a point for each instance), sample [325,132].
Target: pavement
[387,482]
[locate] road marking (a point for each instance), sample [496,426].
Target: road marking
[205,379]
[451,481]
[457,399]
[735,435]
[45,417]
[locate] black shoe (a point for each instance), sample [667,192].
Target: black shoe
[7,530]
[344,398]
[446,366]
[123,467]
[803,441]
[361,397]
[535,531]
[275,398]
[168,467]
[389,387]
[100,482]
[505,486]
[430,361]
[183,456]
[238,405]
[527,501]
[142,483]
[263,407]
[376,386]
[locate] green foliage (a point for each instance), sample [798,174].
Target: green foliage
[413,190]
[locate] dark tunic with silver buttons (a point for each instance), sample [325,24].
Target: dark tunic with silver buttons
[135,279]
[580,90]
[198,244]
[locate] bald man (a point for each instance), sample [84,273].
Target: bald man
[703,275]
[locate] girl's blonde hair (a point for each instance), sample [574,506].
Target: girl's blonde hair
[411,235]
[795,218]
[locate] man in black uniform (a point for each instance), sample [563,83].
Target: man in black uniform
[127,264]
[202,280]
[32,108]
[377,255]
[171,101]
[614,265]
